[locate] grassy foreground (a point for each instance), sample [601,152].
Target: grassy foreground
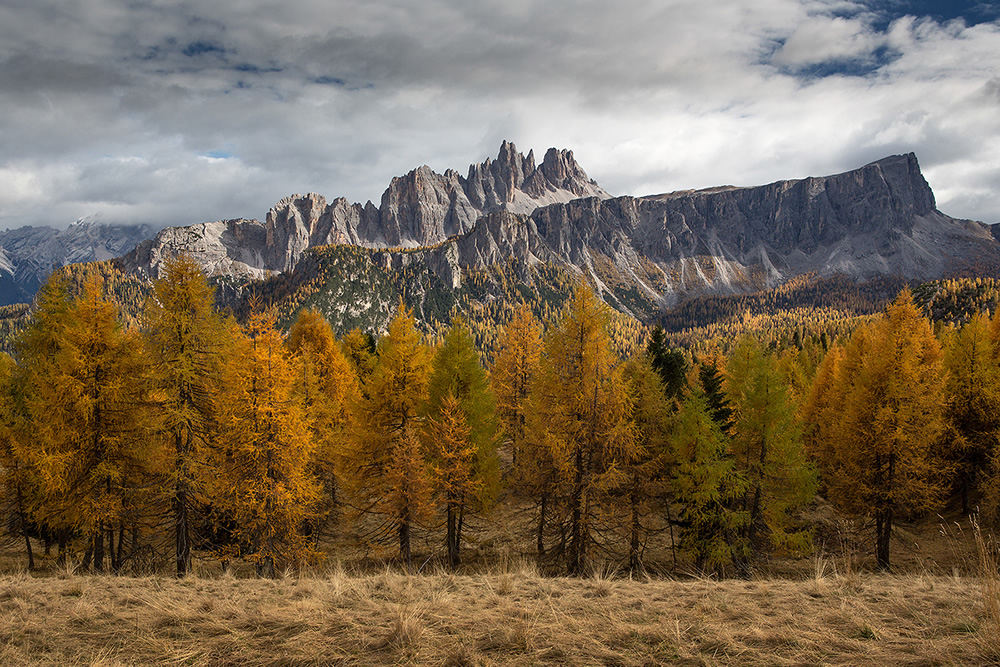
[513,617]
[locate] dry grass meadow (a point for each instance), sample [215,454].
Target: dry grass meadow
[511,616]
[830,609]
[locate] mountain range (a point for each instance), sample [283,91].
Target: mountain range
[642,254]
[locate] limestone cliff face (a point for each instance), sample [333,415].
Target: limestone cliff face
[876,220]
[225,248]
[422,208]
[879,219]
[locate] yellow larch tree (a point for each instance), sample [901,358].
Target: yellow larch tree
[85,401]
[581,413]
[185,340]
[263,454]
[385,474]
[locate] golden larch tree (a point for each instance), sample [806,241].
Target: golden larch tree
[581,406]
[18,488]
[263,454]
[185,340]
[385,474]
[972,412]
[328,389]
[533,473]
[884,416]
[85,401]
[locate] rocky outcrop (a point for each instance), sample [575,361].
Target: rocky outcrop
[879,219]
[422,208]
[233,248]
[513,183]
[876,220]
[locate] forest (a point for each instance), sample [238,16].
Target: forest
[133,444]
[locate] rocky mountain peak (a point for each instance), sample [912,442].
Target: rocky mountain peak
[875,220]
[901,174]
[562,172]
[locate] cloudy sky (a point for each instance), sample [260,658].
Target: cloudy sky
[177,112]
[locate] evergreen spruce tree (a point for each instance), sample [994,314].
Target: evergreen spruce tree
[768,449]
[707,485]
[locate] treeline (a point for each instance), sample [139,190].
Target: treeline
[246,443]
[805,306]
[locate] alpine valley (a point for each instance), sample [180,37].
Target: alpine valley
[515,230]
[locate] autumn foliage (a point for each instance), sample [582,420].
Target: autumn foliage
[183,431]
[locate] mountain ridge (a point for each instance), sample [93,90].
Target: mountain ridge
[641,254]
[420,209]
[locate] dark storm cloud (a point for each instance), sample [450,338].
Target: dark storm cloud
[176,112]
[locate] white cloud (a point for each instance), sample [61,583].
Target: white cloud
[109,107]
[829,38]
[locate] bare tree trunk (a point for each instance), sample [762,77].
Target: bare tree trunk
[883,531]
[98,539]
[577,547]
[182,541]
[404,543]
[31,555]
[541,524]
[634,565]
[23,519]
[63,539]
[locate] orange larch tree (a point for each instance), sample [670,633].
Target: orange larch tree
[263,454]
[883,417]
[385,473]
[581,413]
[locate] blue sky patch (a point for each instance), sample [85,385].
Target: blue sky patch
[971,11]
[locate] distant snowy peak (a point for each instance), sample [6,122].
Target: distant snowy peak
[29,254]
